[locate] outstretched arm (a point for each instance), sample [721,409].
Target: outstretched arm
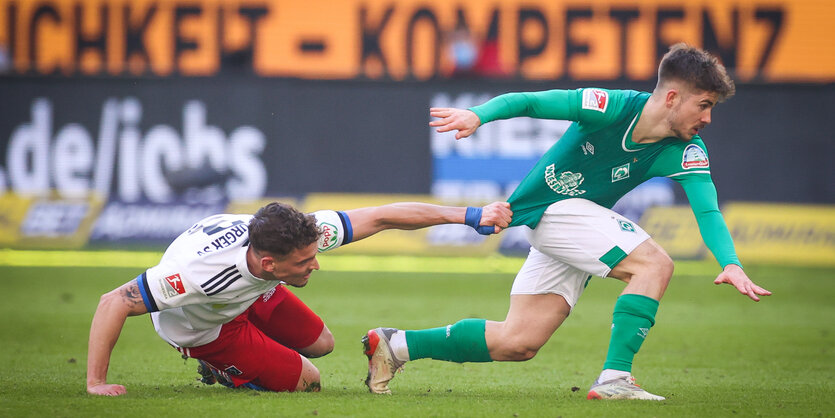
[108,320]
[549,104]
[702,197]
[369,221]
[451,119]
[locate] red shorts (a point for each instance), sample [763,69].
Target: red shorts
[259,345]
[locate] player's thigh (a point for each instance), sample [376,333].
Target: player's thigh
[586,236]
[541,297]
[542,274]
[244,354]
[285,318]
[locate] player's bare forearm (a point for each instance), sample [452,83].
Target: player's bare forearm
[114,307]
[414,215]
[734,275]
[406,215]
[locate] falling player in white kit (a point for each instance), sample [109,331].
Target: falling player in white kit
[219,295]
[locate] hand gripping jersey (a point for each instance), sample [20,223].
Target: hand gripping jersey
[596,159]
[202,280]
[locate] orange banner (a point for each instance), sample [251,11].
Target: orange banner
[760,40]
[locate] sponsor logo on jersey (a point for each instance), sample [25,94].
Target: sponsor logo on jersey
[626,226]
[329,237]
[594,99]
[567,183]
[587,148]
[173,286]
[268,294]
[694,157]
[620,172]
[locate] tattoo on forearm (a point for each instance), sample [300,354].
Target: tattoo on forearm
[130,294]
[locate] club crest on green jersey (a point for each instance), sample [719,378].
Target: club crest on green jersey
[620,172]
[626,226]
[694,157]
[566,183]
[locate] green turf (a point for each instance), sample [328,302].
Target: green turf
[712,352]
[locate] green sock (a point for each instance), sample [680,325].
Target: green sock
[461,342]
[633,317]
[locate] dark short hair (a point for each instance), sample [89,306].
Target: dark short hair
[279,229]
[697,68]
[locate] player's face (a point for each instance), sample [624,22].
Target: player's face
[691,113]
[295,268]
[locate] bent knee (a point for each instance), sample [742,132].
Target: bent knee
[514,351]
[663,264]
[309,380]
[655,262]
[322,347]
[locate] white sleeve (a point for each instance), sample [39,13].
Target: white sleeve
[335,229]
[165,286]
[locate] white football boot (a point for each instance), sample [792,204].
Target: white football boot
[620,388]
[382,364]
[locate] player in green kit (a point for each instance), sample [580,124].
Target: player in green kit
[618,139]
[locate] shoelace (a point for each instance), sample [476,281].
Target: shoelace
[631,381]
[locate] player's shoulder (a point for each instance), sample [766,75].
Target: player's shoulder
[211,236]
[694,148]
[602,107]
[681,158]
[694,154]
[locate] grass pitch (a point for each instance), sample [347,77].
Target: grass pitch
[712,352]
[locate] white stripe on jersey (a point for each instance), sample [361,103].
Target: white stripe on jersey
[689,172]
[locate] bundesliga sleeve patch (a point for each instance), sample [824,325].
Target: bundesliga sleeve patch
[694,157]
[595,99]
[172,286]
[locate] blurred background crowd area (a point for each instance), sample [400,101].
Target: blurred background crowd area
[123,122]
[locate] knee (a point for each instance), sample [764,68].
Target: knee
[657,264]
[514,350]
[309,380]
[322,347]
[663,265]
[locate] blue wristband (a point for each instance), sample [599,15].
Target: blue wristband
[473,219]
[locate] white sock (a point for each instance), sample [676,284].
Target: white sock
[399,346]
[610,374]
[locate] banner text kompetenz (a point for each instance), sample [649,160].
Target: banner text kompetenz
[759,40]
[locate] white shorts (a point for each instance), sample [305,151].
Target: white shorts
[575,239]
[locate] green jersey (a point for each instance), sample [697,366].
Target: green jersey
[596,159]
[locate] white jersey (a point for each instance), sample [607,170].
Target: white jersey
[203,282]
